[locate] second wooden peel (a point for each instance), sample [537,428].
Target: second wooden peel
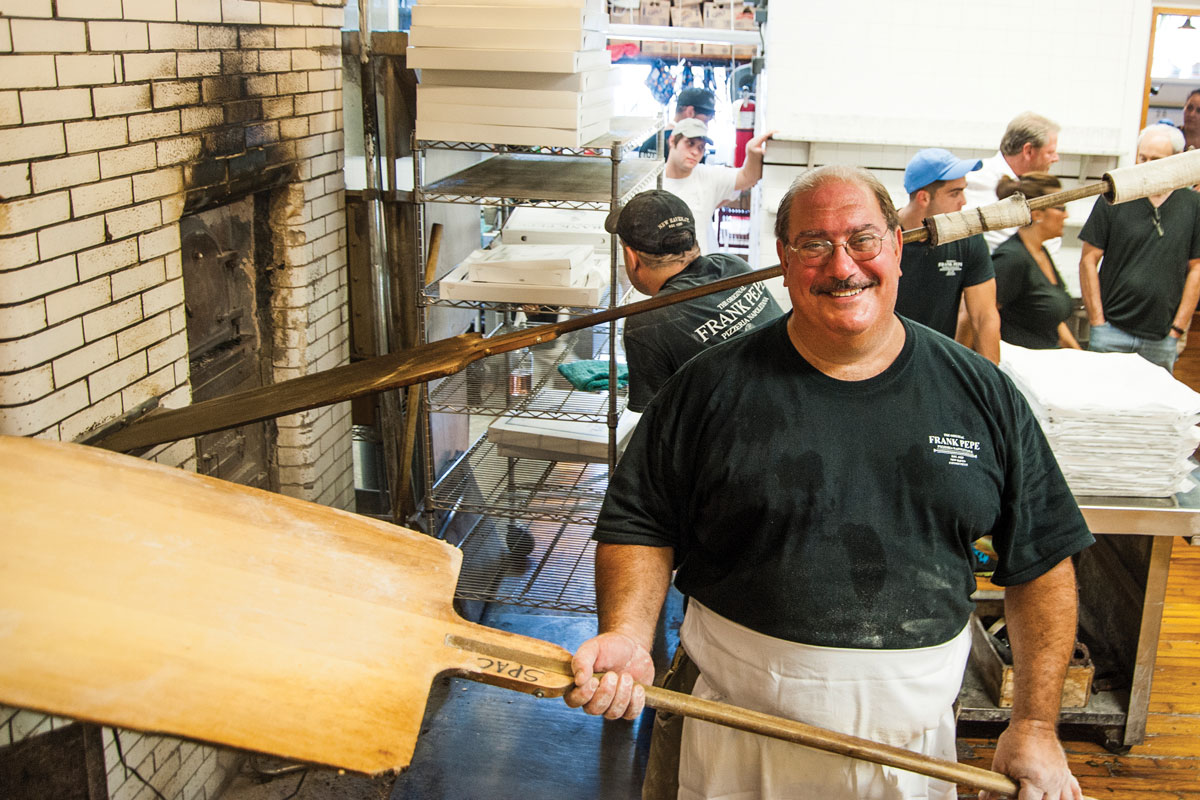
[448,356]
[156,599]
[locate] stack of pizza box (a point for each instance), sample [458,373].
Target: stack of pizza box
[515,72]
[1118,425]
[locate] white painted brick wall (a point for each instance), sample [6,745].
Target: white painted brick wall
[101,114]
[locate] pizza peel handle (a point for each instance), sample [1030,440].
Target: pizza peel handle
[147,597]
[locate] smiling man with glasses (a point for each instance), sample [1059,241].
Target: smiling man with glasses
[1140,270]
[815,487]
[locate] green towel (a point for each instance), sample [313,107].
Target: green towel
[592,376]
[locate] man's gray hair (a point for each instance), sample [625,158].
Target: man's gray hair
[816,178]
[1027,128]
[1173,134]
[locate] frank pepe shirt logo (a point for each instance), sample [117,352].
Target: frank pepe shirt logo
[957,449]
[950,267]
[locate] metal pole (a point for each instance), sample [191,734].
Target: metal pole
[389,412]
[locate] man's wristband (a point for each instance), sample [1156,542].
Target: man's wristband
[1178,330]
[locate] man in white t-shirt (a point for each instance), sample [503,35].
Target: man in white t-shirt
[1029,144]
[705,186]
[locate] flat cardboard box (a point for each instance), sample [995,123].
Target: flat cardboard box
[604,77]
[432,130]
[652,47]
[517,98]
[515,115]
[506,60]
[716,50]
[587,292]
[529,225]
[536,264]
[555,440]
[508,39]
[501,17]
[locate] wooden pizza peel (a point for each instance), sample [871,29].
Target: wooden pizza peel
[146,597]
[446,357]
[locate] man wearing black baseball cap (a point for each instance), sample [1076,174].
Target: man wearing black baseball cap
[658,236]
[692,103]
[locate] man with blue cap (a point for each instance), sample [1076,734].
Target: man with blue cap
[936,279]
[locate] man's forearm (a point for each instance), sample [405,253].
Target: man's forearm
[1041,616]
[1191,295]
[985,319]
[631,585]
[1089,284]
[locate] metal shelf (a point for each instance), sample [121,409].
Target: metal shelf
[557,573]
[482,388]
[484,482]
[624,133]
[548,181]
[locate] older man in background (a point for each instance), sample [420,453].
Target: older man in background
[1029,144]
[1140,270]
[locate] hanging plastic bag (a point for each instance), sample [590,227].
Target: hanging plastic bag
[660,82]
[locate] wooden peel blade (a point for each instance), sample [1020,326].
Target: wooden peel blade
[146,597]
[448,356]
[413,366]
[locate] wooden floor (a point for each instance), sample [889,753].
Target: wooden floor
[1167,765]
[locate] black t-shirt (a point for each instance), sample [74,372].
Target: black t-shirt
[1031,307]
[841,513]
[933,279]
[659,342]
[1142,273]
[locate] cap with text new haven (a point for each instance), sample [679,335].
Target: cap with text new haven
[655,222]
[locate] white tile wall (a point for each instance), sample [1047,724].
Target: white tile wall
[897,77]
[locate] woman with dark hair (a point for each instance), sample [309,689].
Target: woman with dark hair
[1034,304]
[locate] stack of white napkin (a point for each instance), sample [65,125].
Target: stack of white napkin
[1118,424]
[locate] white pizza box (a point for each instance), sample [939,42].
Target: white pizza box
[432,130]
[507,60]
[587,290]
[516,98]
[604,77]
[529,225]
[589,6]
[515,115]
[537,264]
[554,440]
[501,17]
[507,39]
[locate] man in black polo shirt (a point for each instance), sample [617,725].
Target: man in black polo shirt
[935,279]
[662,256]
[1140,270]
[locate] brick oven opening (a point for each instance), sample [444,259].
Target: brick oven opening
[226,291]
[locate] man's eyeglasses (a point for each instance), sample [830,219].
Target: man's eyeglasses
[817,252]
[1157,221]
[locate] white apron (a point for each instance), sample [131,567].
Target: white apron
[897,697]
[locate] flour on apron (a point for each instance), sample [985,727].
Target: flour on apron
[896,697]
